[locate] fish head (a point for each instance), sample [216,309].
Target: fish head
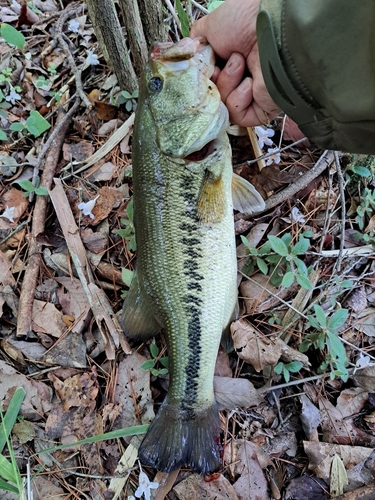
[184,103]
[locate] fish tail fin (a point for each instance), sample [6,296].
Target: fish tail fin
[183,437]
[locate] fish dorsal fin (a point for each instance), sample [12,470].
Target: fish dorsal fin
[212,200]
[246,198]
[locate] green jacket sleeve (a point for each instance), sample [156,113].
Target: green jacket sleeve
[318,63]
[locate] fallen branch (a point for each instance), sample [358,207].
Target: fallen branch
[106,319]
[25,309]
[324,161]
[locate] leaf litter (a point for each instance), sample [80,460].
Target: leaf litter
[82,379]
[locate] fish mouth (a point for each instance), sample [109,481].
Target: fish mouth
[202,153]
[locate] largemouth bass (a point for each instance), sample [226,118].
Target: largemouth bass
[185,277]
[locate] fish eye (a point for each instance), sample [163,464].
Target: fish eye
[155,84]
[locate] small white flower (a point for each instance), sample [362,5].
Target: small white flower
[275,156]
[362,362]
[145,485]
[13,96]
[73,26]
[264,135]
[86,208]
[296,216]
[9,213]
[91,59]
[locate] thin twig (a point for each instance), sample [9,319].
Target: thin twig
[324,161]
[77,72]
[327,216]
[173,12]
[343,211]
[268,155]
[200,7]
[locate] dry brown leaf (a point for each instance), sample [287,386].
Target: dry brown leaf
[69,351]
[306,487]
[254,347]
[79,151]
[231,393]
[6,277]
[103,173]
[46,490]
[285,442]
[310,416]
[74,302]
[357,300]
[366,322]
[321,454]
[14,198]
[38,394]
[252,484]
[365,379]
[31,350]
[259,294]
[195,487]
[133,392]
[222,367]
[109,197]
[109,127]
[47,319]
[95,242]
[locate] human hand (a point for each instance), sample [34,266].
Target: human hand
[231,31]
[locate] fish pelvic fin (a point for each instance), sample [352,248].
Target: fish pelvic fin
[211,203]
[177,438]
[137,319]
[246,198]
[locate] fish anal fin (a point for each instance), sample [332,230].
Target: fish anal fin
[178,437]
[137,319]
[211,204]
[246,198]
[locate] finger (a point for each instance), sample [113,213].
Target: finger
[242,109]
[199,28]
[230,77]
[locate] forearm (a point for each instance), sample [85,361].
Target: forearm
[317,62]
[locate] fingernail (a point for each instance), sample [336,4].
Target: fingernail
[245,85]
[233,63]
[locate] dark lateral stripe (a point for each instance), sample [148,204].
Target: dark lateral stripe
[192,301]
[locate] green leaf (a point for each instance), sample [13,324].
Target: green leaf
[347,284]
[288,280]
[320,315]
[262,265]
[362,171]
[154,371]
[304,281]
[7,470]
[130,210]
[126,94]
[8,487]
[26,185]
[147,365]
[12,36]
[17,127]
[3,136]
[308,234]
[127,276]
[36,124]
[128,106]
[154,349]
[294,366]
[336,347]
[301,246]
[163,371]
[286,374]
[185,29]
[300,264]
[304,346]
[278,368]
[214,4]
[287,238]
[11,415]
[164,361]
[337,319]
[41,191]
[278,246]
[135,94]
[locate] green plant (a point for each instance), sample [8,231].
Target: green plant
[10,476]
[5,75]
[130,100]
[129,232]
[279,259]
[29,188]
[12,36]
[324,336]
[366,206]
[151,363]
[287,368]
[184,20]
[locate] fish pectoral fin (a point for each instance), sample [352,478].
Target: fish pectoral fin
[212,200]
[137,319]
[246,198]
